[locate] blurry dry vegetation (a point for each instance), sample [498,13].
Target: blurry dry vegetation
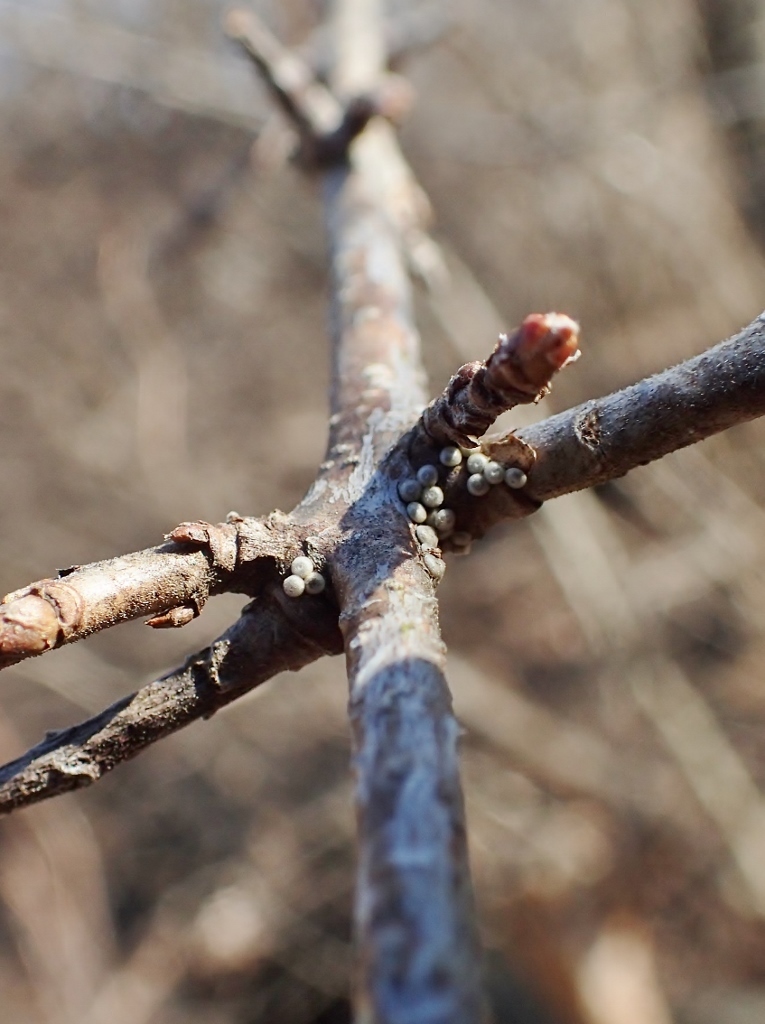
[163,289]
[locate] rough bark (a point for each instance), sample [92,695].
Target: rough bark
[414,914]
[170,583]
[268,638]
[607,437]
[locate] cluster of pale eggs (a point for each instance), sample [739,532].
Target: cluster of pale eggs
[303,578]
[424,498]
[424,501]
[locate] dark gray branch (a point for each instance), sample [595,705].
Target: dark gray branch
[272,635]
[414,910]
[607,437]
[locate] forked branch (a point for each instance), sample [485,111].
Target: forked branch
[414,906]
[589,444]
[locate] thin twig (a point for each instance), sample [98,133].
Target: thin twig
[308,104]
[327,125]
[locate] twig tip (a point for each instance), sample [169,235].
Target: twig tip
[237,22]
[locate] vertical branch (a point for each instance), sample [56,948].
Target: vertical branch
[376,351]
[414,907]
[414,904]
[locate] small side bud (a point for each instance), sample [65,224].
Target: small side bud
[173,619]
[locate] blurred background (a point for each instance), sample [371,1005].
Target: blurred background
[162,311]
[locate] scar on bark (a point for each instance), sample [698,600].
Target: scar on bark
[587,429]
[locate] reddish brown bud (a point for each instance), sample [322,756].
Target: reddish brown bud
[543,344]
[518,371]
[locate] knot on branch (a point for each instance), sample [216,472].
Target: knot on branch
[518,372]
[38,618]
[218,541]
[325,126]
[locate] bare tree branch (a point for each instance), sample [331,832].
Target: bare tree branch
[599,440]
[326,128]
[607,437]
[414,899]
[414,908]
[272,635]
[52,612]
[171,583]
[414,902]
[407,31]
[310,106]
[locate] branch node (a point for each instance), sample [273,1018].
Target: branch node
[219,541]
[37,618]
[587,427]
